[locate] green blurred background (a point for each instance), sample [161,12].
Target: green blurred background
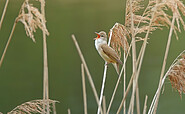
[21,73]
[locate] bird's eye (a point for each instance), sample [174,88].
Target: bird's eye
[102,36]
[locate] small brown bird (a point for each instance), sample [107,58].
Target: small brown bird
[106,52]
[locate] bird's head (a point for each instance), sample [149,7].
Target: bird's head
[101,35]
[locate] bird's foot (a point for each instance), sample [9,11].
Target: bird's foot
[106,64]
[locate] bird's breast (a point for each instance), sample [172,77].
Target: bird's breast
[98,44]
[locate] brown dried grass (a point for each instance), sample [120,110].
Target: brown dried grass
[34,106]
[155,16]
[32,19]
[177,75]
[119,38]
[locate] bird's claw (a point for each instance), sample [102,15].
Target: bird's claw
[106,64]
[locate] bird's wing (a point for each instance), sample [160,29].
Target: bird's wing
[110,53]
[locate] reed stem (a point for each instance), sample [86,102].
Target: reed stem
[4,12]
[8,42]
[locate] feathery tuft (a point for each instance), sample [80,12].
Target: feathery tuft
[35,106]
[119,38]
[32,19]
[177,74]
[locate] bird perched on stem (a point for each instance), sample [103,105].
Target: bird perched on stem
[106,52]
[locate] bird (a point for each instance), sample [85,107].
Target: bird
[106,52]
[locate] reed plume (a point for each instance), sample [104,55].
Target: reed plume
[177,75]
[119,38]
[32,19]
[34,106]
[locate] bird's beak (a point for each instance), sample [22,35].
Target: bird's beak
[98,36]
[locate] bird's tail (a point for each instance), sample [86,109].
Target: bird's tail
[116,66]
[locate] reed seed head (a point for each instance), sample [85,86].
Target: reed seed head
[34,106]
[119,38]
[32,19]
[177,75]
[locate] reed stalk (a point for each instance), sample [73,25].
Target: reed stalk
[84,89]
[145,105]
[8,42]
[45,63]
[104,105]
[164,61]
[117,83]
[4,12]
[104,75]
[87,70]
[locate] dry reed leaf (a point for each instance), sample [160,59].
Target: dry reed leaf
[119,38]
[35,106]
[177,75]
[32,19]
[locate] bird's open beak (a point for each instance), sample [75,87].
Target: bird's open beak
[98,36]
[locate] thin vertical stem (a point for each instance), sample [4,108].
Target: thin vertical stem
[68,111]
[86,69]
[45,60]
[84,89]
[104,74]
[137,99]
[4,12]
[54,108]
[124,86]
[104,105]
[151,109]
[129,85]
[46,89]
[133,60]
[154,101]
[117,83]
[165,58]
[103,86]
[145,105]
[142,51]
[126,93]
[7,44]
